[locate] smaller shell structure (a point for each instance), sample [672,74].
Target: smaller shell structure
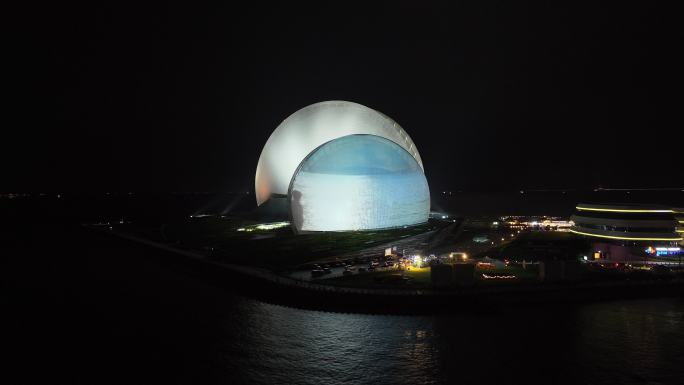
[358,182]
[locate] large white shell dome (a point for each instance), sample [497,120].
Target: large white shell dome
[312,126]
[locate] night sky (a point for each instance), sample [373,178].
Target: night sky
[497,96]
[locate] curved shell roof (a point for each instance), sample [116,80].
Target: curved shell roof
[312,126]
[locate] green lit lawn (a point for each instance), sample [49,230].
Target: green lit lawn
[420,275]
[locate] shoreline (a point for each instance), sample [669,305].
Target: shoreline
[266,286]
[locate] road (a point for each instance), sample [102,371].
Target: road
[417,244]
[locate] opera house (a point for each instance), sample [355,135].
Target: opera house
[340,166]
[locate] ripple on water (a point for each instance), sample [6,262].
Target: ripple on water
[633,341]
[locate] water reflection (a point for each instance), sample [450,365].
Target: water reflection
[600,343]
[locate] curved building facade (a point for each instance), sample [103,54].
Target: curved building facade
[343,166]
[637,223]
[628,232]
[312,126]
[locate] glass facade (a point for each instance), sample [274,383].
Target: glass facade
[358,182]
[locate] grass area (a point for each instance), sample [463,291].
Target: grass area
[420,275]
[417,276]
[536,245]
[280,248]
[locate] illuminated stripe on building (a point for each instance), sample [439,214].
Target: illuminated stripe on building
[625,238]
[625,210]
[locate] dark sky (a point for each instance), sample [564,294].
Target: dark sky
[496,95]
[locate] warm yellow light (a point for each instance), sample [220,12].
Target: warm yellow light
[623,210]
[271,226]
[626,238]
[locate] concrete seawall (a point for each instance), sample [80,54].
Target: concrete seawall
[269,287]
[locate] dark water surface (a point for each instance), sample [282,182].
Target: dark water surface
[88,311]
[620,342]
